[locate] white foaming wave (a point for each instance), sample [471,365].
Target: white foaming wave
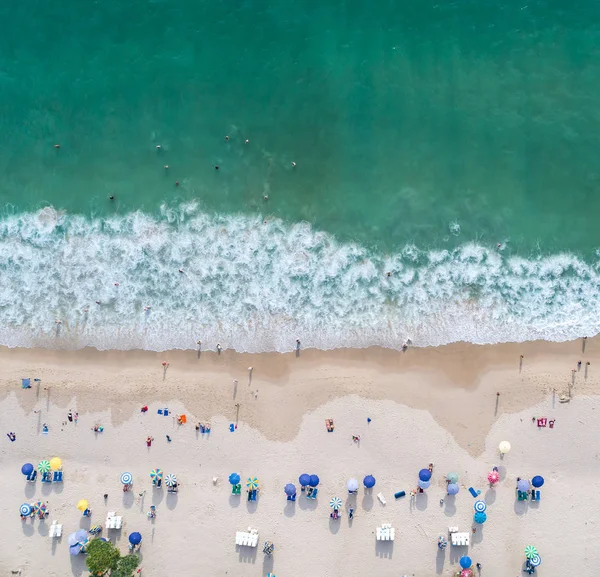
[256,286]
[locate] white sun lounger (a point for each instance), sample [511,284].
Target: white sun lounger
[460,539]
[247,539]
[113,521]
[55,530]
[381,498]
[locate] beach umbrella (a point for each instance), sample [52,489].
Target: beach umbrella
[26,509]
[453,489]
[530,552]
[523,485]
[480,506]
[234,478]
[465,562]
[40,508]
[535,561]
[466,573]
[314,481]
[452,477]
[537,481]
[304,479]
[82,505]
[504,447]
[126,478]
[44,466]
[55,463]
[252,483]
[156,474]
[424,474]
[27,469]
[77,537]
[480,517]
[335,503]
[84,545]
[170,480]
[75,549]
[369,481]
[493,477]
[135,538]
[290,489]
[352,485]
[424,484]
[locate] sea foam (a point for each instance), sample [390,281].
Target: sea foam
[256,285]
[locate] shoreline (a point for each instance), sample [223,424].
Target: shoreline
[441,380]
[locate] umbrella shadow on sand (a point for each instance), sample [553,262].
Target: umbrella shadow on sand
[172,500]
[43,528]
[310,504]
[78,565]
[367,501]
[28,529]
[85,523]
[450,505]
[234,500]
[267,565]
[334,525]
[421,501]
[29,490]
[439,561]
[384,549]
[128,499]
[520,507]
[490,496]
[290,509]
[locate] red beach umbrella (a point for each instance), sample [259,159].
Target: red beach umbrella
[466,573]
[493,477]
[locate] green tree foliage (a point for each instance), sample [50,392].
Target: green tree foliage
[103,558]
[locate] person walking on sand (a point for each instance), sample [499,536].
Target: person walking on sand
[70,416]
[149,441]
[219,348]
[578,366]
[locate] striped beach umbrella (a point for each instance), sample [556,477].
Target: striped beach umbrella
[170,480]
[156,474]
[26,509]
[335,503]
[44,466]
[535,561]
[493,477]
[40,508]
[56,463]
[480,517]
[466,573]
[252,483]
[126,478]
[84,545]
[480,506]
[530,552]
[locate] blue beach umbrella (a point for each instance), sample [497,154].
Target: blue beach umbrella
[424,474]
[369,481]
[480,517]
[537,481]
[465,562]
[77,537]
[424,484]
[290,489]
[27,469]
[234,478]
[26,509]
[75,549]
[535,561]
[452,488]
[314,481]
[523,485]
[480,506]
[304,479]
[135,538]
[126,478]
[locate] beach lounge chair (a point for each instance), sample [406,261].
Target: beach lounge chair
[291,497]
[55,530]
[542,422]
[522,495]
[58,476]
[399,494]
[392,533]
[47,477]
[313,493]
[460,539]
[26,383]
[32,476]
[381,498]
[252,495]
[236,489]
[535,495]
[474,492]
[113,521]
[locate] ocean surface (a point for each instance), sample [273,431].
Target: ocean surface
[385,171]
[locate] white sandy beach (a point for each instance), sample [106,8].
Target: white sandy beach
[436,407]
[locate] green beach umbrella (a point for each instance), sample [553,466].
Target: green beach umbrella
[44,466]
[252,483]
[530,552]
[452,477]
[156,474]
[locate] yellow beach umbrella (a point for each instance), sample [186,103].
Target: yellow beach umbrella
[83,505]
[55,463]
[504,447]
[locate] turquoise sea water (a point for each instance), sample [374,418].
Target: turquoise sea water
[410,139]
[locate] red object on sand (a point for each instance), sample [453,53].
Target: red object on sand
[144,408]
